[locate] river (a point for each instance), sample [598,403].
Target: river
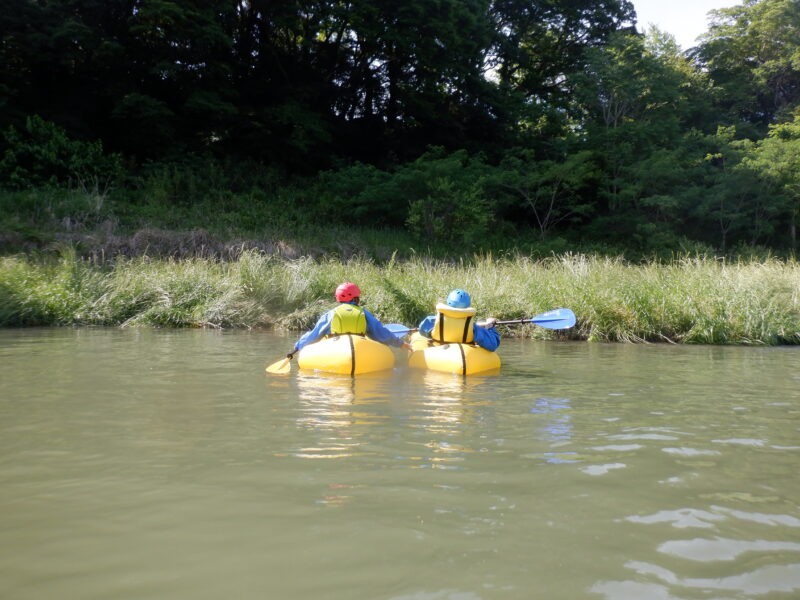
[149,464]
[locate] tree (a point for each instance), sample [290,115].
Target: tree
[148,77]
[553,191]
[537,44]
[752,52]
[629,95]
[777,159]
[726,198]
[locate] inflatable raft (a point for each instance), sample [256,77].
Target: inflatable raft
[463,359]
[346,354]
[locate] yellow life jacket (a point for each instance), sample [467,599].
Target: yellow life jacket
[452,325]
[348,318]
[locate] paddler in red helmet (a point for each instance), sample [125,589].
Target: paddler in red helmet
[349,317]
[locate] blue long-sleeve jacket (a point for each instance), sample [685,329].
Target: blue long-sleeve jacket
[485,338]
[375,330]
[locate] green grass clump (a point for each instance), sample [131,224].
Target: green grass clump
[699,300]
[50,293]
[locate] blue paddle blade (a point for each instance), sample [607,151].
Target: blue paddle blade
[397,329]
[560,318]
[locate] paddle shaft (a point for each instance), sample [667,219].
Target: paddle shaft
[515,322]
[519,321]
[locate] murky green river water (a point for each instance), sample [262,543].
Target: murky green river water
[142,464]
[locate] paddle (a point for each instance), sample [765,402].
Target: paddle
[398,329]
[560,318]
[282,366]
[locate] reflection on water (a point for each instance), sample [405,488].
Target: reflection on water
[556,429]
[163,464]
[447,402]
[339,407]
[334,401]
[346,411]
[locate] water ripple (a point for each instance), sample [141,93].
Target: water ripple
[742,442]
[705,550]
[602,469]
[439,595]
[764,519]
[618,447]
[680,518]
[642,436]
[690,452]
[691,517]
[765,580]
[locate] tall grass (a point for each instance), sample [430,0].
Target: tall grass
[686,301]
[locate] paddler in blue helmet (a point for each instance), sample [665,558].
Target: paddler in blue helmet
[454,322]
[349,317]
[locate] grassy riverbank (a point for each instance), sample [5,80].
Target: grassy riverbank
[687,301]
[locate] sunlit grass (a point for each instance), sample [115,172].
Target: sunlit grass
[697,300]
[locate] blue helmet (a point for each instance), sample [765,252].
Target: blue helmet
[458,299]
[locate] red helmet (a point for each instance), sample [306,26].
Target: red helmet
[347,291]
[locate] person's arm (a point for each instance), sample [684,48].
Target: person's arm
[323,327]
[486,338]
[426,326]
[379,333]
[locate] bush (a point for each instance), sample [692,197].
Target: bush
[42,154]
[429,195]
[450,213]
[358,194]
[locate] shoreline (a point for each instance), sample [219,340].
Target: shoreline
[689,301]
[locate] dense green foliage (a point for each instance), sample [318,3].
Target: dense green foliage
[463,124]
[688,301]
